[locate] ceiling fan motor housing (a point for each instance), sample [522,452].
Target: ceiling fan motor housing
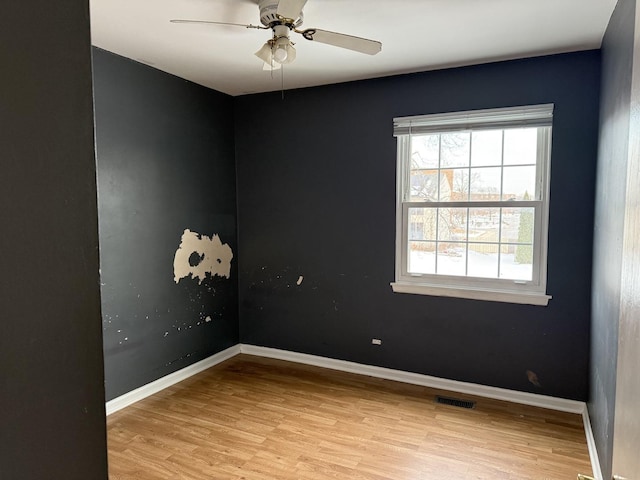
[270,18]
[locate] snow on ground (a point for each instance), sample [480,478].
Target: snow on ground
[453,262]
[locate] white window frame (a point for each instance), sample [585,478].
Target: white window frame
[501,290]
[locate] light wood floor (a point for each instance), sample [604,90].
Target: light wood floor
[259,419]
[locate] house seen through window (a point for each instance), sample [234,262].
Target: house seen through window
[473,204]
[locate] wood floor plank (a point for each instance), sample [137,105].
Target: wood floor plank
[252,418]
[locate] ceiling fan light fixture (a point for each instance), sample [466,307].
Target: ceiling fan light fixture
[265,53]
[291,53]
[280,54]
[283,51]
[269,67]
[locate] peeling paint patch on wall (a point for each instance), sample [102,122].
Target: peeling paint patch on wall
[199,255]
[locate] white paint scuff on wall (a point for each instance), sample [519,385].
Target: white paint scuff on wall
[199,255]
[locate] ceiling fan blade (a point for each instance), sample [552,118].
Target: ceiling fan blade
[357,44]
[219,23]
[290,8]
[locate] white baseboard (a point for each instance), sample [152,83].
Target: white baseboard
[591,445]
[553,403]
[149,389]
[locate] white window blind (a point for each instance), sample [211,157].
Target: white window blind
[497,118]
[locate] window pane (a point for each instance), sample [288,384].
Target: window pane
[422,224]
[511,268]
[484,224]
[425,151]
[455,149]
[424,186]
[517,225]
[422,257]
[452,259]
[486,148]
[485,184]
[452,224]
[483,260]
[520,146]
[519,183]
[455,185]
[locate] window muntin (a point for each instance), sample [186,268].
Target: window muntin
[472,201]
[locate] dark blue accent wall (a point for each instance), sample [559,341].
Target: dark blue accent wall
[52,410]
[316,202]
[165,164]
[617,61]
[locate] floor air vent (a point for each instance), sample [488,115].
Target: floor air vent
[455,402]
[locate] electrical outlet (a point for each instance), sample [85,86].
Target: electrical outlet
[376,341]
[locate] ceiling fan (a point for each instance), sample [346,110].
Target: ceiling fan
[285,16]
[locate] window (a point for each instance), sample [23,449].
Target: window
[472,208]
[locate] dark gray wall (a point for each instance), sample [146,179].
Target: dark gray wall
[316,190]
[51,386]
[165,164]
[617,59]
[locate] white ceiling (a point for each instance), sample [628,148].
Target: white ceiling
[416,35]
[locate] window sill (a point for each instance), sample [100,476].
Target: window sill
[474,294]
